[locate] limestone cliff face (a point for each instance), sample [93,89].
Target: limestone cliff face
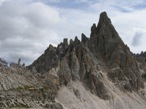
[83,60]
[121,62]
[141,58]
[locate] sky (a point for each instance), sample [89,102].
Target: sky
[27,27]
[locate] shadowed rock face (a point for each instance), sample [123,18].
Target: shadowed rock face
[121,62]
[3,62]
[141,58]
[87,60]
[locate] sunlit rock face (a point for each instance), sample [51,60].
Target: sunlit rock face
[96,72]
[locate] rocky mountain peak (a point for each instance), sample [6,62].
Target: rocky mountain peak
[104,36]
[86,60]
[104,19]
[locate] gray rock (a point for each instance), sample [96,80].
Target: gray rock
[84,61]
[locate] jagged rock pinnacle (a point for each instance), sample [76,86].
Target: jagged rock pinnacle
[103,20]
[78,60]
[84,38]
[104,37]
[105,27]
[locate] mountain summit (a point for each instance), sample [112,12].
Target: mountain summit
[96,72]
[104,35]
[82,60]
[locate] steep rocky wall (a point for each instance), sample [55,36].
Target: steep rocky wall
[80,60]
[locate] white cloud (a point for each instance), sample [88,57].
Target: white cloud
[54,1]
[82,1]
[136,39]
[41,15]
[128,24]
[28,27]
[2,1]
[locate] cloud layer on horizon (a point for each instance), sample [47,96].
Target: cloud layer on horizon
[27,27]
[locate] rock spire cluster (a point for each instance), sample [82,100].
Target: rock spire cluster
[84,60]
